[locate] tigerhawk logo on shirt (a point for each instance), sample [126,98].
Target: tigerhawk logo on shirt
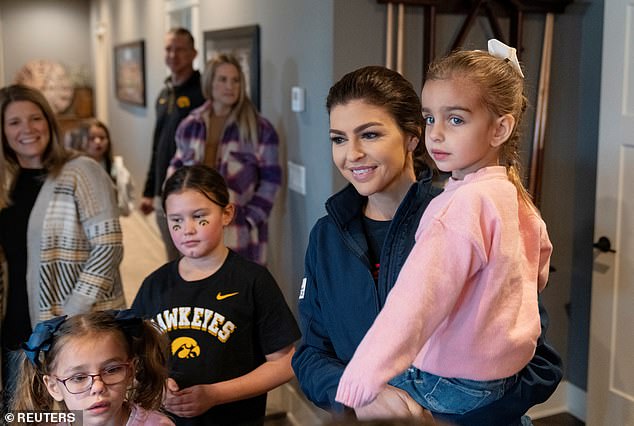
[185,347]
[186,317]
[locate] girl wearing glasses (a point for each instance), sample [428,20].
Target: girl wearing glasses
[109,365]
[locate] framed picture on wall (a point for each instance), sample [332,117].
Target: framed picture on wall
[244,44]
[129,72]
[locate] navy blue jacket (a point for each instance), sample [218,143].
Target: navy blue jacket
[339,301]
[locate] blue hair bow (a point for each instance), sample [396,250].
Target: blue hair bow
[41,339]
[130,323]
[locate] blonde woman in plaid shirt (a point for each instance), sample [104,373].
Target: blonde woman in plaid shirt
[228,134]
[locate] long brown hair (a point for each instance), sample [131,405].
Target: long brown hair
[54,156]
[243,112]
[385,88]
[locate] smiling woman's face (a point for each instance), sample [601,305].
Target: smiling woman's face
[369,148]
[27,132]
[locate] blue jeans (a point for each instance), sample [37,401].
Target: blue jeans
[450,396]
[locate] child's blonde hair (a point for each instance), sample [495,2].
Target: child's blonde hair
[501,89]
[145,345]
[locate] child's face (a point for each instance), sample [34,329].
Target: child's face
[97,143]
[370,149]
[461,134]
[100,353]
[196,223]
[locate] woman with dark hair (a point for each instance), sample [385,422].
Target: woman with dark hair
[59,233]
[355,252]
[228,134]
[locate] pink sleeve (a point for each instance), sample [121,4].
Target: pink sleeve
[546,249]
[427,288]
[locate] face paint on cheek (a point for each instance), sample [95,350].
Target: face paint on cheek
[203,222]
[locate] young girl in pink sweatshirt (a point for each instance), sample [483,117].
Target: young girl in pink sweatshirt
[464,308]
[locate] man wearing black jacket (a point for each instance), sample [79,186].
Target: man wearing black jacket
[181,94]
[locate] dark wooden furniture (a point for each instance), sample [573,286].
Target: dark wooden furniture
[492,9]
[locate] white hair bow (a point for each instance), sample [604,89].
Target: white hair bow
[502,51]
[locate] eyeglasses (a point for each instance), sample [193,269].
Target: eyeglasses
[111,375]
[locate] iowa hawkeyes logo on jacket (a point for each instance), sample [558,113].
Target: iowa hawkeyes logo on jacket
[185,347]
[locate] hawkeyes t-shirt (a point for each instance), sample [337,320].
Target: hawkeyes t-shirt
[219,328]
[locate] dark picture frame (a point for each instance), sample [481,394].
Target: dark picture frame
[129,72]
[244,44]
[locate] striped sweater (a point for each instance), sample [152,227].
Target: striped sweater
[74,245]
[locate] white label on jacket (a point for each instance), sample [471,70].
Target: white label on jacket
[302,289]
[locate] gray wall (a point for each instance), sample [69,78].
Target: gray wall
[41,29]
[313,43]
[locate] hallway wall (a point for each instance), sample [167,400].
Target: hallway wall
[311,44]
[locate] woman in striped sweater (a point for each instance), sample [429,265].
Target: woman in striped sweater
[59,231]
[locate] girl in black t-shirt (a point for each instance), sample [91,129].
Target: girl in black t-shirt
[230,328]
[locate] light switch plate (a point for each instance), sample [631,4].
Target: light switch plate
[298,99]
[296,178]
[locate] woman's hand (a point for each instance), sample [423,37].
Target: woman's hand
[392,403]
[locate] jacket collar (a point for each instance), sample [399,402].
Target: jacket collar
[347,204]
